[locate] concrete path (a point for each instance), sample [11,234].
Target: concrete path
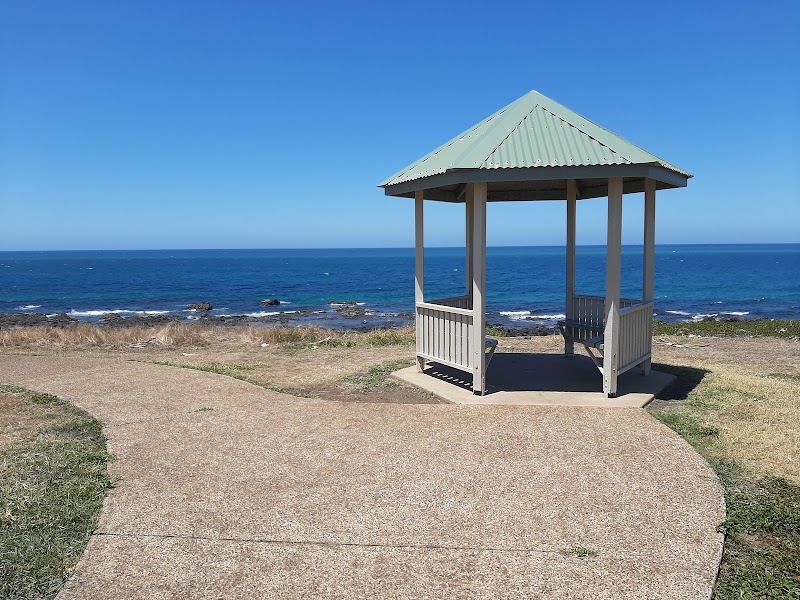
[271,496]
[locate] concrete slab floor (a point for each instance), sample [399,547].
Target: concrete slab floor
[538,380]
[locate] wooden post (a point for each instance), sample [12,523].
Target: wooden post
[419,265]
[613,275]
[479,289]
[469,204]
[572,193]
[649,267]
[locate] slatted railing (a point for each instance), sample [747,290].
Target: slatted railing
[636,333]
[635,327]
[444,331]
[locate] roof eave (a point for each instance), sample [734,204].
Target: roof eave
[668,178]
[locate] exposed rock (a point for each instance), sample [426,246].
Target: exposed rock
[270,302]
[200,306]
[351,312]
[8,320]
[62,320]
[534,331]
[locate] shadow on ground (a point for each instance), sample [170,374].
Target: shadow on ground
[533,372]
[686,380]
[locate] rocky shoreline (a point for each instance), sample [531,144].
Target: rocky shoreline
[345,312]
[340,314]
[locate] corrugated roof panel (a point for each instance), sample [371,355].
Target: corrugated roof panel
[544,140]
[533,131]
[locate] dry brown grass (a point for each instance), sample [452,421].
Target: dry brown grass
[195,335]
[751,394]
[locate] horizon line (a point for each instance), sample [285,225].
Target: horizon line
[195,249]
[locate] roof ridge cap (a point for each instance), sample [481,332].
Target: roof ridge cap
[512,130]
[589,135]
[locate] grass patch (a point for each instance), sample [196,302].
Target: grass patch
[581,552]
[197,335]
[756,327]
[495,331]
[52,485]
[236,371]
[10,389]
[761,556]
[43,399]
[378,376]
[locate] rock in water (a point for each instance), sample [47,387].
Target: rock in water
[270,302]
[200,306]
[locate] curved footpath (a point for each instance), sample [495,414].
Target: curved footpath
[271,496]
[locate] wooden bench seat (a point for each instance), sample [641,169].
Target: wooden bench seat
[569,329]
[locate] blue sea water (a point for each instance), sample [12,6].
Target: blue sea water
[525,285]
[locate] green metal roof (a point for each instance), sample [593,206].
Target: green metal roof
[536,139]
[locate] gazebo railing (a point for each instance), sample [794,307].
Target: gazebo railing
[635,328]
[444,331]
[636,333]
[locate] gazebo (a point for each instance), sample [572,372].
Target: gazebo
[537,149]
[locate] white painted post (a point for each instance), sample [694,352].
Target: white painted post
[479,289]
[469,204]
[572,193]
[649,268]
[419,266]
[613,274]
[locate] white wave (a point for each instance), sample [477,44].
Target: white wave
[734,313]
[29,307]
[340,304]
[121,311]
[678,312]
[526,315]
[701,316]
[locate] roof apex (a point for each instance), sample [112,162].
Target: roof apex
[533,131]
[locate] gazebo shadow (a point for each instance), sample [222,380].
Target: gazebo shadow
[521,372]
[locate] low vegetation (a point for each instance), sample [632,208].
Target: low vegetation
[755,327]
[53,479]
[378,376]
[198,335]
[237,371]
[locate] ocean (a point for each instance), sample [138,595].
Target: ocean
[525,285]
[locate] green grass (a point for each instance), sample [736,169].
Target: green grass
[755,327]
[494,331]
[52,487]
[581,552]
[10,389]
[378,376]
[235,370]
[761,557]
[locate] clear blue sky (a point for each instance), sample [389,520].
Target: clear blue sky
[198,124]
